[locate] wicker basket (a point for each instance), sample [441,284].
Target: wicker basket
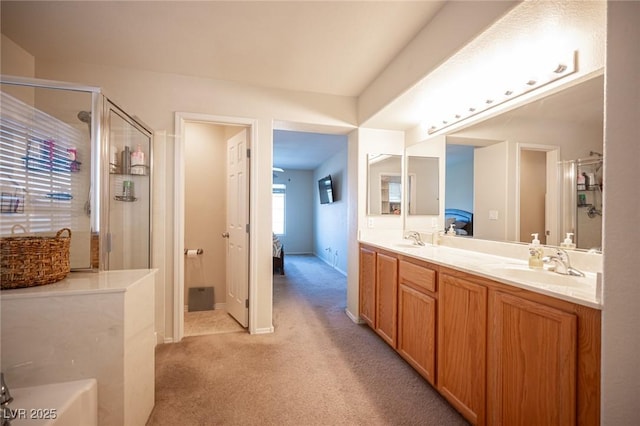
[29,261]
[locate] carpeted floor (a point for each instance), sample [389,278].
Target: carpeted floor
[318,368]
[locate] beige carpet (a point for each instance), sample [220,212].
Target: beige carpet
[318,368]
[200,323]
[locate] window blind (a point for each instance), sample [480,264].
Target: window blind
[44,185]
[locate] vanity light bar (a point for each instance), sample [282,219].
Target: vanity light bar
[560,70]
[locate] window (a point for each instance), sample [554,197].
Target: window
[279,203]
[43,188]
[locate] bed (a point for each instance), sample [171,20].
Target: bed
[278,255]
[462,219]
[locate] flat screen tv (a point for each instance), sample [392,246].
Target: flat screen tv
[325,187]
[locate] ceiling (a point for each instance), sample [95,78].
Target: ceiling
[336,47]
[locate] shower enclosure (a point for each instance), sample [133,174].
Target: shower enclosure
[582,202]
[65,162]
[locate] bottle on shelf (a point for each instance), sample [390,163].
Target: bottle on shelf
[125,166]
[138,166]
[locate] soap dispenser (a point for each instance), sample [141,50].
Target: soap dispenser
[568,242]
[535,253]
[451,231]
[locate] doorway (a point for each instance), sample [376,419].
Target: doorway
[537,201]
[200,264]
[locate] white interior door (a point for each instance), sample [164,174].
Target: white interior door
[238,229]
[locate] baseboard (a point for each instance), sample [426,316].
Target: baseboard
[168,340]
[267,330]
[220,306]
[160,339]
[332,267]
[354,318]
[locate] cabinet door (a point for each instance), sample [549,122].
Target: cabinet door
[462,317]
[367,297]
[532,363]
[386,297]
[417,330]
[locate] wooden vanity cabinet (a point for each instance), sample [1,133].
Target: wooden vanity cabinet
[501,355]
[387,297]
[532,363]
[378,297]
[462,345]
[543,364]
[417,286]
[367,290]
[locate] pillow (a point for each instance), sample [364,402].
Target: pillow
[461,225]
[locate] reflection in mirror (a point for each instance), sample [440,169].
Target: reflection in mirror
[524,171]
[385,184]
[423,184]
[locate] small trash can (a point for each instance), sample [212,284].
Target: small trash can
[200,299]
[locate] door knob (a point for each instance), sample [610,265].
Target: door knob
[225,235]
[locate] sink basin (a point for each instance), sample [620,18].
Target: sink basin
[540,276]
[60,404]
[406,245]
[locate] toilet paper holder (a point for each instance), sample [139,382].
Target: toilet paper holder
[191,251]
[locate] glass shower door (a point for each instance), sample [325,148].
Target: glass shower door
[129,219]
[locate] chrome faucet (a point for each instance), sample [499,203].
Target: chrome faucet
[5,400]
[415,236]
[561,264]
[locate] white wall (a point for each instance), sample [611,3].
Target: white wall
[362,142]
[330,220]
[621,316]
[300,197]
[459,184]
[455,25]
[491,193]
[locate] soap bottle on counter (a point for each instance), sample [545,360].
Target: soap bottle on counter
[535,253]
[568,242]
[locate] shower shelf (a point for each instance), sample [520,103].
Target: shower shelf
[143,170]
[126,199]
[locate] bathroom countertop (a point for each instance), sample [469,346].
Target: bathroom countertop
[583,291]
[77,283]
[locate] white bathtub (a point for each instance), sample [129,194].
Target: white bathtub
[60,404]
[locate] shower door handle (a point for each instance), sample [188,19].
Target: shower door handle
[225,235]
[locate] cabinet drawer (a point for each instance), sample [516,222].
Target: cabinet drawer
[417,276]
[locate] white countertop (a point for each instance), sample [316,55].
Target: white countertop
[580,290]
[77,283]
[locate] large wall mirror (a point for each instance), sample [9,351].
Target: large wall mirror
[384,179]
[534,169]
[423,181]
